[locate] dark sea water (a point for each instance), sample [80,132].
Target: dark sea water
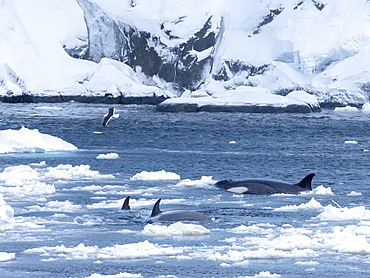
[221,145]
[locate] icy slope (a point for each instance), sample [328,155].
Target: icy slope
[164,47]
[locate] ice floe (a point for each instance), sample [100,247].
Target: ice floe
[133,251]
[108,156]
[175,229]
[31,140]
[158,175]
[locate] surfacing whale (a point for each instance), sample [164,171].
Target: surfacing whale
[264,186]
[175,215]
[126,205]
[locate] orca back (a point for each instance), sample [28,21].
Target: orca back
[126,205]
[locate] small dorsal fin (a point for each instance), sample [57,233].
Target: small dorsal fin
[156,209]
[126,205]
[306,182]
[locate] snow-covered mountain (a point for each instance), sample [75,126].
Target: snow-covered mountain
[161,49]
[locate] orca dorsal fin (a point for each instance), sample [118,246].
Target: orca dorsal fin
[305,183]
[126,205]
[156,209]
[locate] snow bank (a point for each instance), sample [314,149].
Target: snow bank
[244,99]
[279,45]
[175,229]
[28,140]
[159,175]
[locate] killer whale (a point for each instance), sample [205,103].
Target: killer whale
[175,215]
[264,186]
[126,205]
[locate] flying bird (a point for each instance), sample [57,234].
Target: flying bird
[109,116]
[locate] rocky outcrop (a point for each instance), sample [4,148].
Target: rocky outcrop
[111,37]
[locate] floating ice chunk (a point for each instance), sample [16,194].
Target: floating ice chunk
[159,175]
[332,213]
[65,206]
[175,229]
[347,109]
[232,142]
[23,180]
[6,256]
[307,263]
[318,191]
[350,142]
[27,140]
[264,274]
[120,275]
[6,216]
[354,193]
[108,156]
[69,172]
[312,204]
[203,182]
[139,250]
[366,108]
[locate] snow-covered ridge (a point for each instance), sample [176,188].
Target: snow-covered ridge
[119,51]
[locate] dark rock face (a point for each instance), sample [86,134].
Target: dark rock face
[111,38]
[192,107]
[27,98]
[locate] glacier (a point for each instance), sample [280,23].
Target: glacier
[140,51]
